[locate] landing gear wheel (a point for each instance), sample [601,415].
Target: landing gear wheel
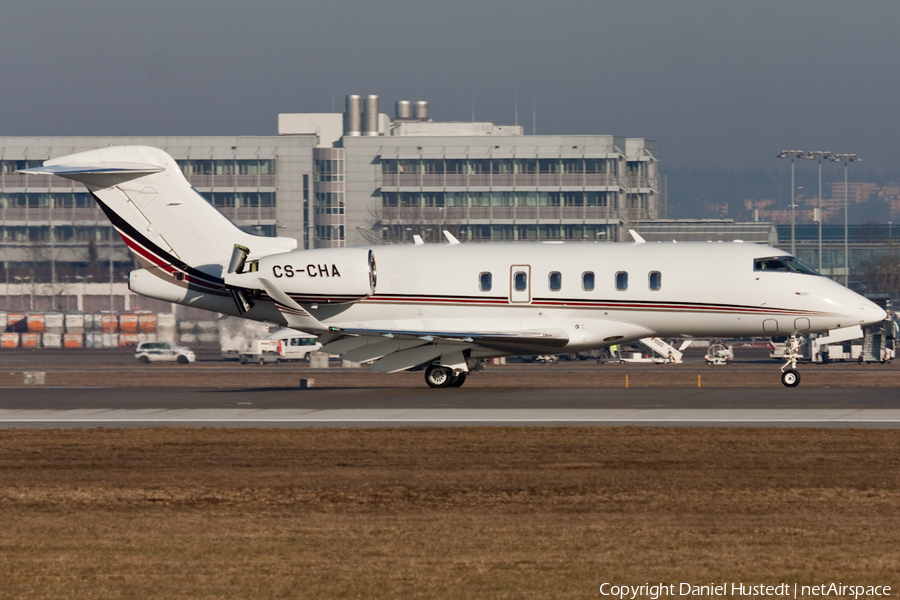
[458,380]
[437,376]
[790,378]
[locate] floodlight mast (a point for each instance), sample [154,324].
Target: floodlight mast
[792,154]
[820,154]
[846,159]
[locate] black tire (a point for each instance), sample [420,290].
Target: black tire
[144,360]
[183,360]
[790,378]
[458,380]
[437,376]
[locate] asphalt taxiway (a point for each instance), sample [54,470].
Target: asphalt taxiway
[67,407]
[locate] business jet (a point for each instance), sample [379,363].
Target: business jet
[444,307]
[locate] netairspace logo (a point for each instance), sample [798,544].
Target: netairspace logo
[782,590]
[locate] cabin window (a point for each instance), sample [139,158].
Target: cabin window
[621,281]
[587,281]
[655,280]
[520,281]
[484,282]
[555,281]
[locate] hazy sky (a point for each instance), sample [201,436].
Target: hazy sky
[717,83]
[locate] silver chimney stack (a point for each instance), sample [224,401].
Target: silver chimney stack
[421,110]
[353,116]
[370,116]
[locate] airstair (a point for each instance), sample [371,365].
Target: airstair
[668,352]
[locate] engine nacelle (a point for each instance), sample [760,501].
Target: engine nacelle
[320,276]
[156,283]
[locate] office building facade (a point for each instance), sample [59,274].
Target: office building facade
[333,179]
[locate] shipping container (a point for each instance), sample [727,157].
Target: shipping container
[35,323]
[9,340]
[51,340]
[127,340]
[73,340]
[110,324]
[147,323]
[16,322]
[31,340]
[53,322]
[128,324]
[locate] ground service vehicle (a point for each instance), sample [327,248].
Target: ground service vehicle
[147,352]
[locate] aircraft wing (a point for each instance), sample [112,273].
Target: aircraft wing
[398,349]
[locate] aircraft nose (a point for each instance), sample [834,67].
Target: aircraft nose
[871,313]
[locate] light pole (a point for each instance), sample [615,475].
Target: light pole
[819,154]
[846,159]
[792,154]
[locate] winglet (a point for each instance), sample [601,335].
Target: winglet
[637,237]
[418,240]
[452,240]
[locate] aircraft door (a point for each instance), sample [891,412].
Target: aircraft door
[520,284]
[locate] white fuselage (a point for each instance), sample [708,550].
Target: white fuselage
[701,290]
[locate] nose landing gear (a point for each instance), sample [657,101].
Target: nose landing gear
[790,377]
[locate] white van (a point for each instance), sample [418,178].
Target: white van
[297,346]
[284,345]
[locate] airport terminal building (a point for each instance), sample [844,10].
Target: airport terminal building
[328,179]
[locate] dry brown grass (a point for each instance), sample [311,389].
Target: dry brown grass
[440,513]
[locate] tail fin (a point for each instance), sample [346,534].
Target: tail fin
[164,221]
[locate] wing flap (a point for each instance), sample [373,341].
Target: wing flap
[379,349]
[407,359]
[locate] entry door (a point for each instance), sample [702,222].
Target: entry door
[520,284]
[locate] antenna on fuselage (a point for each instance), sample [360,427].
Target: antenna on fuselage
[637,237]
[452,240]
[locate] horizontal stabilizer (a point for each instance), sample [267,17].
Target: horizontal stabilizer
[72,171]
[296,316]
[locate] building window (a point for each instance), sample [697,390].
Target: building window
[655,280]
[621,281]
[484,282]
[587,281]
[555,281]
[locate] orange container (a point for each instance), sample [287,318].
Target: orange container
[15,322]
[9,340]
[147,323]
[36,324]
[73,340]
[31,340]
[128,323]
[110,324]
[127,339]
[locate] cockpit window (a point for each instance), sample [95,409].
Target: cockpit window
[784,264]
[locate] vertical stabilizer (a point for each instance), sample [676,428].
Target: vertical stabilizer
[164,220]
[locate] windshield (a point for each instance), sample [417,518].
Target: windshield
[785,264]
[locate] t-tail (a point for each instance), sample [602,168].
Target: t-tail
[183,242]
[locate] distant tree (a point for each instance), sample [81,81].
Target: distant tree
[882,274]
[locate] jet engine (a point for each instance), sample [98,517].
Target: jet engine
[320,276]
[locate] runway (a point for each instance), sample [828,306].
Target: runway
[50,407]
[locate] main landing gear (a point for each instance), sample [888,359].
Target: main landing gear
[437,376]
[790,377]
